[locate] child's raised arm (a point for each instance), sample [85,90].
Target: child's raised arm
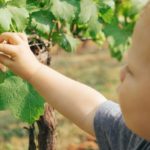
[74,100]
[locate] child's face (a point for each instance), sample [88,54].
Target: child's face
[134,90]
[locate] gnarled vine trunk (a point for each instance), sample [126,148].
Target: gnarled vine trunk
[46,124]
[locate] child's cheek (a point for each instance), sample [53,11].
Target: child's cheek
[127,97]
[123,90]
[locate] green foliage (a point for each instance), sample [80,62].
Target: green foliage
[64,22]
[21,98]
[41,21]
[86,19]
[66,41]
[64,10]
[106,10]
[118,34]
[91,18]
[16,18]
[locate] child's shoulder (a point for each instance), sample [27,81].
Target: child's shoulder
[111,131]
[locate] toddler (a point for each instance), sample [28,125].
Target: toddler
[123,126]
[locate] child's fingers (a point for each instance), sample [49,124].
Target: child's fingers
[5,60]
[11,38]
[8,49]
[23,36]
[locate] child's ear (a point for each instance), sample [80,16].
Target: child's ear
[3,68]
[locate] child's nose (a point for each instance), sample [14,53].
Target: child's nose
[123,73]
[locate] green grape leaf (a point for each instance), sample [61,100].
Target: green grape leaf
[21,99]
[94,26]
[131,7]
[88,11]
[32,6]
[65,10]
[5,23]
[17,3]
[99,38]
[72,41]
[37,5]
[89,15]
[42,21]
[67,42]
[4,2]
[19,17]
[118,33]
[2,77]
[118,37]
[106,10]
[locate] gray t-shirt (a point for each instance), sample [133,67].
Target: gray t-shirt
[111,131]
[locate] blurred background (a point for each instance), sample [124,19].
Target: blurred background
[90,65]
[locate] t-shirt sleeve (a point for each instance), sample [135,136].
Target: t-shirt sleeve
[111,131]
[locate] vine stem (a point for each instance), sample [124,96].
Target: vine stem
[13,28]
[46,123]
[31,132]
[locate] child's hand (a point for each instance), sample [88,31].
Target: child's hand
[15,53]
